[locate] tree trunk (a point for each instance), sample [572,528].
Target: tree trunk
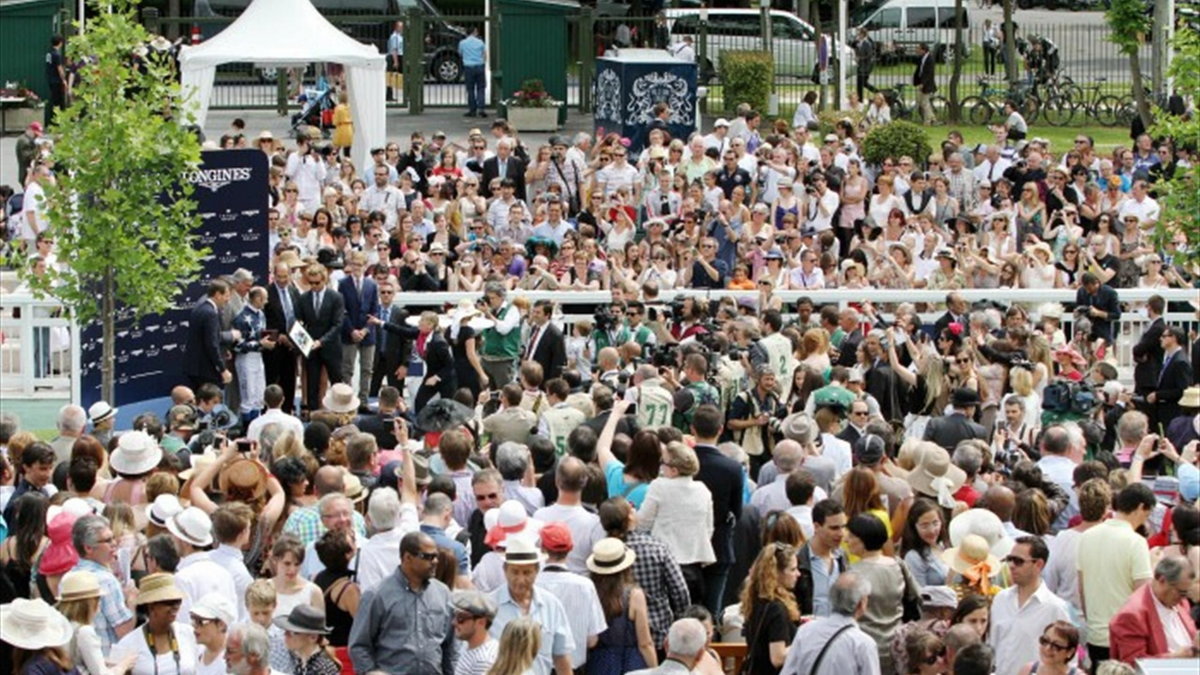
[1139,88]
[1010,45]
[956,72]
[108,359]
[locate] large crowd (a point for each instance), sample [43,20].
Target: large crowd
[344,483]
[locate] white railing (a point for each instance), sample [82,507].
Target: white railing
[39,347]
[33,331]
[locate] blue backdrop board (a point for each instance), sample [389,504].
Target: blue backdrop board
[231,198]
[629,83]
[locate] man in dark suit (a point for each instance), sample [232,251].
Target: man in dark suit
[958,426]
[361,297]
[848,320]
[856,423]
[956,312]
[1147,353]
[504,165]
[1102,306]
[204,362]
[392,352]
[321,311]
[1174,376]
[283,298]
[723,478]
[546,344]
[379,424]
[923,80]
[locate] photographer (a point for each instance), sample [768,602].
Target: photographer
[695,373]
[566,172]
[750,418]
[610,328]
[1013,436]
[418,160]
[688,318]
[655,403]
[306,169]
[822,202]
[707,271]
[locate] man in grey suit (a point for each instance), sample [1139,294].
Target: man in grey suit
[958,426]
[685,645]
[240,282]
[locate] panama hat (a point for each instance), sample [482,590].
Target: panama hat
[192,525]
[246,476]
[799,427]
[985,524]
[353,488]
[1051,310]
[304,619]
[136,453]
[79,585]
[972,552]
[33,625]
[935,476]
[158,587]
[165,506]
[1190,398]
[520,550]
[610,556]
[340,399]
[101,411]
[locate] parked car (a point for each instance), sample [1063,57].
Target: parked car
[793,41]
[441,38]
[898,26]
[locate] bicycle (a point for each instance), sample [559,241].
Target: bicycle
[990,101]
[900,110]
[1106,109]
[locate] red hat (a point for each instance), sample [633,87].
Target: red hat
[629,211]
[556,538]
[60,556]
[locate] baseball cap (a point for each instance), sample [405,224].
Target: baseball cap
[556,538]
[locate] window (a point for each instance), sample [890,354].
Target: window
[946,18]
[885,18]
[733,24]
[784,28]
[922,17]
[686,25]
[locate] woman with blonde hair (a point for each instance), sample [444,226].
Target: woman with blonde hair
[769,609]
[79,602]
[678,510]
[814,350]
[519,645]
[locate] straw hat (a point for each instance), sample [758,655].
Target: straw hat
[610,556]
[246,476]
[1043,248]
[79,585]
[1051,310]
[799,427]
[291,259]
[520,550]
[199,462]
[1190,398]
[973,552]
[192,525]
[158,587]
[101,411]
[353,488]
[935,476]
[983,523]
[33,625]
[340,399]
[136,453]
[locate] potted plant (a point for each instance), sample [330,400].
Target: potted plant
[531,108]
[22,108]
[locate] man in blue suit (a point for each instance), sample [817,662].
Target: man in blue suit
[204,362]
[361,296]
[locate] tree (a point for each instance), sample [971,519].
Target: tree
[121,213]
[959,50]
[1129,24]
[1010,45]
[1179,196]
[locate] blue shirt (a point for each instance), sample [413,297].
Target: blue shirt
[113,611]
[545,609]
[439,537]
[470,49]
[395,44]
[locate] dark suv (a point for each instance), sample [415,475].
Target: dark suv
[441,38]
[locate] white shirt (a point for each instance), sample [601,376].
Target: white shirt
[803,515]
[35,198]
[824,221]
[198,575]
[585,532]
[839,451]
[614,177]
[217,667]
[1173,628]
[231,559]
[1015,630]
[275,416]
[773,497]
[1060,572]
[308,173]
[134,642]
[380,556]
[1146,210]
[387,200]
[992,173]
[585,616]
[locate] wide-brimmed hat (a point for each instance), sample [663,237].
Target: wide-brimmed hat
[291,259]
[970,554]
[78,585]
[352,488]
[163,508]
[265,135]
[511,521]
[340,399]
[192,525]
[1072,353]
[215,606]
[799,427]
[199,462]
[303,618]
[136,453]
[945,252]
[935,476]
[610,556]
[33,625]
[101,411]
[244,475]
[521,550]
[158,587]
[533,242]
[1050,310]
[1190,398]
[1043,248]
[60,556]
[983,523]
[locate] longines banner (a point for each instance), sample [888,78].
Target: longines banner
[231,198]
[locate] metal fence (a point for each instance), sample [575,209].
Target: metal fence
[38,347]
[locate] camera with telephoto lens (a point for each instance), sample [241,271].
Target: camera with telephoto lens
[603,318]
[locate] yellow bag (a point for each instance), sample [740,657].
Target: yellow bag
[395,80]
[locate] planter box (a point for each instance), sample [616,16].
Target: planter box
[533,119]
[16,118]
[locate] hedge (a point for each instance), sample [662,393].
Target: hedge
[746,77]
[896,139]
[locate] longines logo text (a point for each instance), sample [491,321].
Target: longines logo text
[215,179]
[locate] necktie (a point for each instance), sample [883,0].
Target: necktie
[383,333]
[317,302]
[285,299]
[1166,362]
[532,343]
[503,169]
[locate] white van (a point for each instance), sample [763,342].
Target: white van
[793,41]
[898,26]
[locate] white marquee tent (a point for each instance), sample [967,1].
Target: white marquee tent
[287,32]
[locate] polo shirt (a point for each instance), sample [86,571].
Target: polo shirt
[1111,557]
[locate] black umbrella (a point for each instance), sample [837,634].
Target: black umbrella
[442,414]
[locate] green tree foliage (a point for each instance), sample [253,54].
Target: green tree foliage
[746,77]
[895,139]
[1179,196]
[121,213]
[1129,25]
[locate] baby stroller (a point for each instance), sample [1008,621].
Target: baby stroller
[316,107]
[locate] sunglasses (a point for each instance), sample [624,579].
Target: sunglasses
[427,557]
[463,618]
[1017,561]
[935,657]
[1047,642]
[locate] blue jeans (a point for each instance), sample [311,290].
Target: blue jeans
[715,577]
[475,88]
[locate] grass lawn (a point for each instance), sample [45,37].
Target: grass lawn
[1061,138]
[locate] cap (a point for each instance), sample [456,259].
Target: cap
[215,606]
[831,138]
[556,538]
[475,603]
[939,596]
[721,122]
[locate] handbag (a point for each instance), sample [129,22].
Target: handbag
[912,596]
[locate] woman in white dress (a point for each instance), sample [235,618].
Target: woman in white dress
[162,645]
